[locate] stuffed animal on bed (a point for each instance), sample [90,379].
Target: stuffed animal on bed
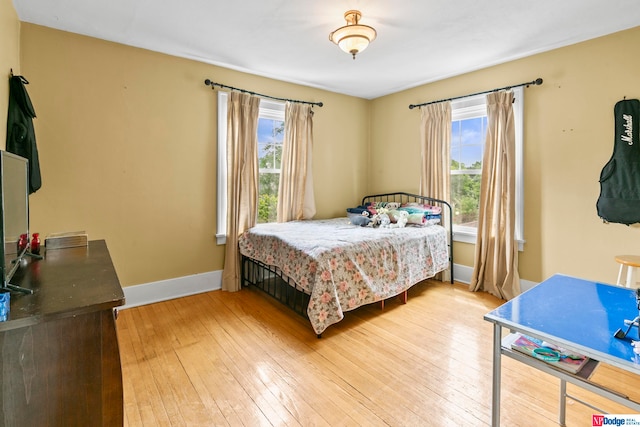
[383,218]
[401,218]
[362,220]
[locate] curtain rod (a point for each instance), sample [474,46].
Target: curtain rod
[535,82]
[214,84]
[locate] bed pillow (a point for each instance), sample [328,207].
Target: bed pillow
[358,211]
[419,214]
[371,210]
[415,219]
[420,221]
[419,207]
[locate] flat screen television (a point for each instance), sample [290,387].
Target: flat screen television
[14,215]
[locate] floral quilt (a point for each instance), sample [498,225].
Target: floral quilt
[342,266]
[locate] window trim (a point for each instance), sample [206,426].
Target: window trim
[221,220]
[468,108]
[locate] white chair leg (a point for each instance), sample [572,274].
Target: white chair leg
[619,283]
[630,275]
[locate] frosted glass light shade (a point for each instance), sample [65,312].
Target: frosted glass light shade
[353,38]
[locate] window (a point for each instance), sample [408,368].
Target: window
[468,132]
[270,136]
[467,143]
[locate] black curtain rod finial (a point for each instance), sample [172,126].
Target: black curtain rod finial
[536,82]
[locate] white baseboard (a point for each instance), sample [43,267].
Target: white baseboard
[463,273]
[163,290]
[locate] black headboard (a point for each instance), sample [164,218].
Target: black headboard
[400,197]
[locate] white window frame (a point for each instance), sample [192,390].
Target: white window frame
[475,106]
[221,222]
[268,109]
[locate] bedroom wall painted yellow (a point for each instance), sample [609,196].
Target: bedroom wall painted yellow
[127,143]
[568,139]
[9,58]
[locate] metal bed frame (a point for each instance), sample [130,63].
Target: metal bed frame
[411,198]
[273,282]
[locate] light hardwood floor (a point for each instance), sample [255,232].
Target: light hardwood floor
[242,359]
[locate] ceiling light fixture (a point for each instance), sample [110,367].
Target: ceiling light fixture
[353,38]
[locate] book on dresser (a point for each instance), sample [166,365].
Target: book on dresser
[71,239]
[549,353]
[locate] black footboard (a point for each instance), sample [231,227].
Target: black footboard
[271,280]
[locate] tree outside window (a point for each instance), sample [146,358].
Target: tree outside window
[270,136]
[467,141]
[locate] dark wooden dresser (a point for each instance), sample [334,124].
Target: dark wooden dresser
[60,362]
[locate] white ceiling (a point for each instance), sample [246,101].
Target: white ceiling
[419,41]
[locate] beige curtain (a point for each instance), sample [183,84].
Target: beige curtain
[295,193]
[435,136]
[242,179]
[496,254]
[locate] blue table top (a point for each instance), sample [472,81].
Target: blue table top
[577,314]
